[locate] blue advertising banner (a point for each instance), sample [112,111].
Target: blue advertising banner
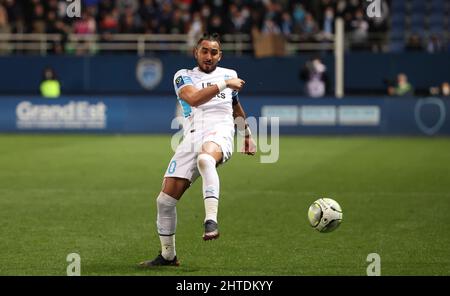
[87,114]
[353,116]
[109,114]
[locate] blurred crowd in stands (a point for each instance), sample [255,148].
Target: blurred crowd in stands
[297,21]
[311,20]
[180,16]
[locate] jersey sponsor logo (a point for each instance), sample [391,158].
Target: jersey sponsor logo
[221,96]
[205,85]
[149,72]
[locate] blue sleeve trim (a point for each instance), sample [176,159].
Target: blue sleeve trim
[186,108]
[235,97]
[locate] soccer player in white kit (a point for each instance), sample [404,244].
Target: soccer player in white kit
[209,98]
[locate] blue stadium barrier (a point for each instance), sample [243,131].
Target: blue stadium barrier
[350,116]
[131,75]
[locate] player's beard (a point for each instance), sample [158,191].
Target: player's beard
[207,68]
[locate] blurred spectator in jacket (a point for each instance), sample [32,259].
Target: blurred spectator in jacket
[315,77]
[414,43]
[442,90]
[50,86]
[309,27]
[402,87]
[360,30]
[434,44]
[85,25]
[4,23]
[270,27]
[445,89]
[4,28]
[328,24]
[298,17]
[287,25]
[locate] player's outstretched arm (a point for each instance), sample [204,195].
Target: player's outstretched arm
[196,97]
[244,129]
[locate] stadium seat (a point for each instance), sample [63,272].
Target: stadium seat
[398,14]
[398,20]
[417,6]
[437,17]
[419,33]
[417,3]
[436,26]
[437,29]
[396,46]
[397,33]
[417,27]
[417,16]
[417,21]
[437,4]
[398,6]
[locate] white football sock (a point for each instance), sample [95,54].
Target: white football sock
[211,186]
[211,207]
[166,224]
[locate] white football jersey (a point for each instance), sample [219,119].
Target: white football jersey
[218,110]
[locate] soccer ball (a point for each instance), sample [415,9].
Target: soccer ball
[325,215]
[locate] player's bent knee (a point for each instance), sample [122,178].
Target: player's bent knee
[212,149]
[167,214]
[165,200]
[205,160]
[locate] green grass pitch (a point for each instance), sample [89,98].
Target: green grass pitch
[95,195]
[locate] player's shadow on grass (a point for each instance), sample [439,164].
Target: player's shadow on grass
[133,269]
[119,269]
[166,270]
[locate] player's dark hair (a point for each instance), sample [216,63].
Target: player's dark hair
[210,37]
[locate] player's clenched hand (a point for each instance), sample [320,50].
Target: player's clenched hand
[235,83]
[249,147]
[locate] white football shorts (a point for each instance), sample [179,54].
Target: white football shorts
[184,163]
